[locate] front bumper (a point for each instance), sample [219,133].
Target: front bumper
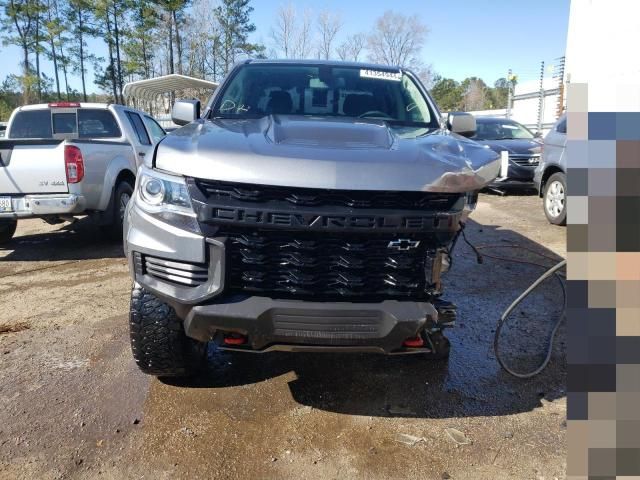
[268,323]
[513,184]
[41,205]
[271,324]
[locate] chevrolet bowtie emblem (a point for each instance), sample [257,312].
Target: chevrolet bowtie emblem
[403,244]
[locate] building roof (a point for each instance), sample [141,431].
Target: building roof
[151,88]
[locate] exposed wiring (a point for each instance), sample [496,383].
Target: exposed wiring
[464,237]
[517,260]
[496,339]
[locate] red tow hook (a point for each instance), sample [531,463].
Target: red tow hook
[414,342]
[235,339]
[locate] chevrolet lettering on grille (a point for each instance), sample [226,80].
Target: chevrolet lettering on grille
[321,221]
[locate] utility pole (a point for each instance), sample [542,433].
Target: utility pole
[509,94]
[559,76]
[541,97]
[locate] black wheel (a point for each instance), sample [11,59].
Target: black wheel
[441,346]
[554,199]
[158,342]
[121,197]
[7,229]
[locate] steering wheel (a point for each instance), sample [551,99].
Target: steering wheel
[375,113]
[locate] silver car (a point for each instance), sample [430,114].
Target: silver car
[550,176]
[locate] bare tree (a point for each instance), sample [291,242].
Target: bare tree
[329,24]
[291,35]
[352,47]
[282,33]
[397,39]
[304,38]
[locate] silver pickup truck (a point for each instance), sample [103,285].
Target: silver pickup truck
[63,159]
[312,206]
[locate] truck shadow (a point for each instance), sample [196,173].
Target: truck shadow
[470,383]
[80,240]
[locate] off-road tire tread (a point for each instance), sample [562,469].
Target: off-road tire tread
[7,230]
[158,342]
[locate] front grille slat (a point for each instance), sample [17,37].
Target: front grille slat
[315,197]
[281,264]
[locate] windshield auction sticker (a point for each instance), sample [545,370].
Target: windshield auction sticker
[381,74]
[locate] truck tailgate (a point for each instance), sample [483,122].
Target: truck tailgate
[32,167]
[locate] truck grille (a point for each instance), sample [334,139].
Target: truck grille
[182,273]
[525,160]
[313,197]
[353,267]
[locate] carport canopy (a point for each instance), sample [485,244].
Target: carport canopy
[152,88]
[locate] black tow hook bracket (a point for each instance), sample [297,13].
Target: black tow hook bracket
[447,313]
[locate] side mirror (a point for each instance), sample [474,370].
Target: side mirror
[185,111]
[462,123]
[538,134]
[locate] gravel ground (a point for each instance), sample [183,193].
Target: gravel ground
[75,406]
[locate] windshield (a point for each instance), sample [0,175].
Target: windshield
[257,90]
[501,131]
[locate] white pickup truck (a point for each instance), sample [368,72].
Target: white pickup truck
[63,159]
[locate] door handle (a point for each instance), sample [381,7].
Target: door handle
[141,154]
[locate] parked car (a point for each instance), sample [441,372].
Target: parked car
[550,175]
[522,145]
[64,159]
[310,208]
[3,129]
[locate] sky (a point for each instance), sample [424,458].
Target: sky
[466,38]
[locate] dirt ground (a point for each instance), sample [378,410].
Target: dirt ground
[75,406]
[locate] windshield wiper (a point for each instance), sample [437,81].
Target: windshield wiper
[407,123]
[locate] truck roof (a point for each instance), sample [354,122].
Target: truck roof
[337,63]
[41,106]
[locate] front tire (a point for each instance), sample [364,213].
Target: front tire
[554,199]
[7,230]
[158,342]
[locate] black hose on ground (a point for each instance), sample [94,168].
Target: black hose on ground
[496,339]
[503,319]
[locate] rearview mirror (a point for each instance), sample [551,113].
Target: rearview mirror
[462,123]
[185,111]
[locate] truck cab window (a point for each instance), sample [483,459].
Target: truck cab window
[97,123]
[138,126]
[31,124]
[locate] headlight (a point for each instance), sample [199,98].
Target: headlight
[166,197]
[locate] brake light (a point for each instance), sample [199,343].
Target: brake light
[64,105]
[74,163]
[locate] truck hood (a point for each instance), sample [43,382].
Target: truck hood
[354,154]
